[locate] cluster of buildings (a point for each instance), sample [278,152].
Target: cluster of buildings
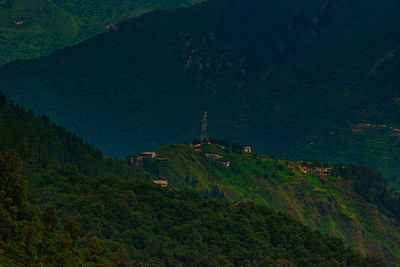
[216,157]
[321,172]
[395,131]
[198,148]
[362,126]
[138,160]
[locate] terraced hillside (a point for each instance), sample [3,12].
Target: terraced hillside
[352,202]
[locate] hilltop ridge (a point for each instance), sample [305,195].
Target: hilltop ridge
[351,202]
[62,203]
[290,78]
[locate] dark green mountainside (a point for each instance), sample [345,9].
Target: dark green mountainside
[294,79]
[35,28]
[354,203]
[56,213]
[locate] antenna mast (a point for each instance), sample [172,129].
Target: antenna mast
[204,129]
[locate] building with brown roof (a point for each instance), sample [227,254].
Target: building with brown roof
[162,183]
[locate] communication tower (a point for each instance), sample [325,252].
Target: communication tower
[204,129]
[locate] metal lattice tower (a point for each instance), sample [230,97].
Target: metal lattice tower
[204,128]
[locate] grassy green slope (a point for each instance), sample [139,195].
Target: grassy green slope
[290,78]
[375,148]
[115,222]
[31,29]
[63,204]
[332,207]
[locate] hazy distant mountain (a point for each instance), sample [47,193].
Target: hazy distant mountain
[35,28]
[290,78]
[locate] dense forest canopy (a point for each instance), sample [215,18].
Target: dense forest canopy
[352,202]
[121,223]
[56,213]
[312,82]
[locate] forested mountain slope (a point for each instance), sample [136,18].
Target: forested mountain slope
[39,141]
[35,28]
[294,79]
[353,203]
[116,222]
[56,211]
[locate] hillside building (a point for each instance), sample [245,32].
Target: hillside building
[131,160]
[247,149]
[226,164]
[111,27]
[147,155]
[213,156]
[162,183]
[303,169]
[320,171]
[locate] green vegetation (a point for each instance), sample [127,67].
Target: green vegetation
[35,28]
[292,79]
[117,223]
[40,142]
[64,204]
[354,203]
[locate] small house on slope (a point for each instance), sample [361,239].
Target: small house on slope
[247,149]
[162,183]
[147,155]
